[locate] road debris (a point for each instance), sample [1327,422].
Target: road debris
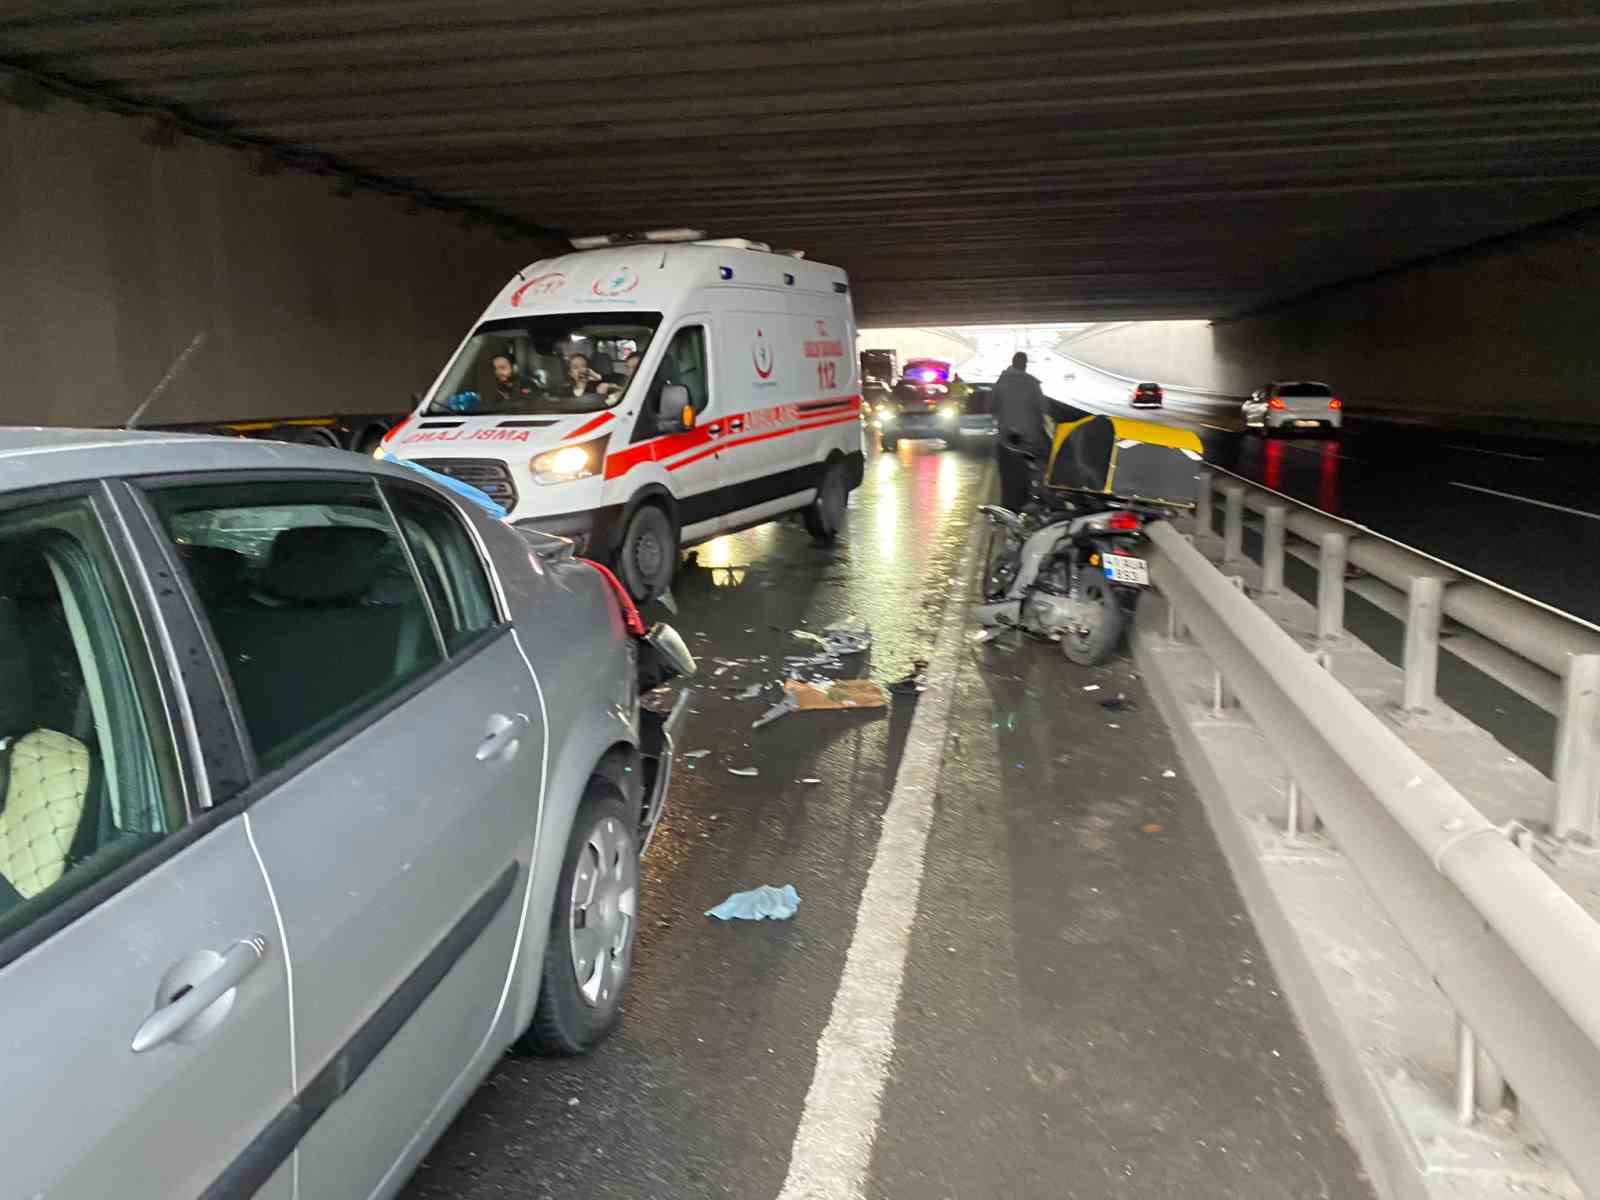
[809,779]
[1169,773]
[836,693]
[1118,703]
[667,602]
[695,753]
[744,772]
[850,636]
[915,682]
[751,692]
[985,635]
[1091,687]
[758,904]
[781,709]
[1151,827]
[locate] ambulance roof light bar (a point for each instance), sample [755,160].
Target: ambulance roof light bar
[600,241]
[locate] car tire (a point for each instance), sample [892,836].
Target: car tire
[824,516]
[589,956]
[647,559]
[1094,647]
[886,442]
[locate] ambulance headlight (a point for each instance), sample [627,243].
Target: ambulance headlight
[566,463]
[948,412]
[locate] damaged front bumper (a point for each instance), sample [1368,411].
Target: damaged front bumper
[658,736]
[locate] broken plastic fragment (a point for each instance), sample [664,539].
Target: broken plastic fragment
[1169,773]
[1091,687]
[781,709]
[751,692]
[744,772]
[695,753]
[809,779]
[850,636]
[667,602]
[758,904]
[985,635]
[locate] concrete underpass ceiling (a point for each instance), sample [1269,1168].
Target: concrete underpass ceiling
[968,162]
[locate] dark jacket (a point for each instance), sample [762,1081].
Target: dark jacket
[1019,410]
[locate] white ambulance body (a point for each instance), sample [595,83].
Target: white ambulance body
[742,403]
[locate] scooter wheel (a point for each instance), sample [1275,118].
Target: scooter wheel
[1093,646]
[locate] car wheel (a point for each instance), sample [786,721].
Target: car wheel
[589,957]
[1092,646]
[886,442]
[825,514]
[369,440]
[648,556]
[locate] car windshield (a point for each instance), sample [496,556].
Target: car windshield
[551,364]
[1304,389]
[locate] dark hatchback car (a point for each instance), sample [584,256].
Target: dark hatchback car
[924,404]
[1146,395]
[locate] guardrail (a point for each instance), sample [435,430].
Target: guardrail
[1517,958]
[1547,657]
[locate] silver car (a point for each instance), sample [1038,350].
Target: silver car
[321,788]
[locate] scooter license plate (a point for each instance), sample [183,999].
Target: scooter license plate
[1122,568]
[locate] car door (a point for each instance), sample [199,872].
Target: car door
[696,466]
[142,969]
[398,736]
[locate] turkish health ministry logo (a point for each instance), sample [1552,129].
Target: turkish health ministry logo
[761,355]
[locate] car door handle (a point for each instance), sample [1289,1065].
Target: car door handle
[501,741]
[168,1021]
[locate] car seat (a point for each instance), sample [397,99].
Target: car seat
[323,632]
[46,776]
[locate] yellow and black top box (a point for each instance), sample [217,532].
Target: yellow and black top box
[1125,458]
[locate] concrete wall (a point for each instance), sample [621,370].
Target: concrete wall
[116,253]
[1507,330]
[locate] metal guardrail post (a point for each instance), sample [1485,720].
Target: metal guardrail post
[1577,762]
[1232,523]
[1272,550]
[1202,502]
[1424,607]
[1330,586]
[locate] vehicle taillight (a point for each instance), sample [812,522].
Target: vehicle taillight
[1275,402]
[630,613]
[1336,403]
[1123,521]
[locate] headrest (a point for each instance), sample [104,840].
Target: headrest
[16,677]
[324,564]
[217,572]
[602,364]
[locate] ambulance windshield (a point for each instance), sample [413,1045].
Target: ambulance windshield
[548,364]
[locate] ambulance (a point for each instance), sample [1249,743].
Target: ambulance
[641,397]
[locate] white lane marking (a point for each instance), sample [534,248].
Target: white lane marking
[832,1149]
[1576,512]
[1496,453]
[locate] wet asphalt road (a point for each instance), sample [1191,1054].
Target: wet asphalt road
[1086,1009]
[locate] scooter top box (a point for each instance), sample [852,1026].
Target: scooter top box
[1127,459]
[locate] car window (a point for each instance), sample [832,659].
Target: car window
[448,563]
[1304,389]
[87,774]
[311,598]
[684,363]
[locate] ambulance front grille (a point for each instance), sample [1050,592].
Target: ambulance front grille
[488,475]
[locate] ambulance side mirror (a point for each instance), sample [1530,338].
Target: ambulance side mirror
[675,399]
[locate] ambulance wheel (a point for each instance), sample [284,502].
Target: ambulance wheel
[825,514]
[648,555]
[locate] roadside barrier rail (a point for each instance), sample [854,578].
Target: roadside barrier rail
[1517,958]
[1547,657]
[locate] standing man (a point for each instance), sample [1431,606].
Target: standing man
[1019,410]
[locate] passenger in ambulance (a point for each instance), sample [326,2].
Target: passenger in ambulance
[582,380]
[509,386]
